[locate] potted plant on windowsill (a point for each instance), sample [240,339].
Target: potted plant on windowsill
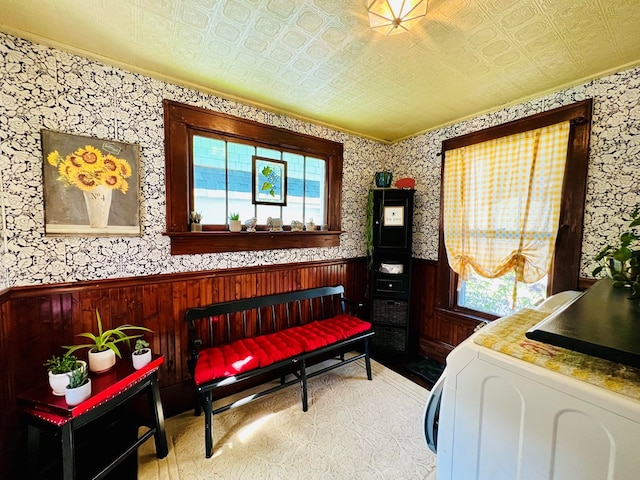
[104,348]
[58,368]
[79,388]
[621,262]
[234,222]
[141,354]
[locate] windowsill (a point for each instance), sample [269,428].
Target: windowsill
[184,243]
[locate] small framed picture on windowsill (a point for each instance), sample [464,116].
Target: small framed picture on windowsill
[269,181]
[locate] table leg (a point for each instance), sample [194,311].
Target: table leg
[68,452]
[158,416]
[33,449]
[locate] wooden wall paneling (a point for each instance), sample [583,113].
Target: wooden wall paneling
[150,317]
[177,330]
[8,360]
[45,317]
[169,331]
[423,291]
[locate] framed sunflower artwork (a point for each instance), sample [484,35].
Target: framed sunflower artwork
[91,186]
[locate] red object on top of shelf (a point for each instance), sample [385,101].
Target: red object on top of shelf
[406,183]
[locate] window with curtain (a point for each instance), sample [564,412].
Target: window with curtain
[502,205]
[511,212]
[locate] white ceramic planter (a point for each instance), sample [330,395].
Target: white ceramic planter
[75,396]
[59,381]
[142,359]
[101,361]
[235,226]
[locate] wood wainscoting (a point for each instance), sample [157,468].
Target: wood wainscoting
[36,321]
[441,330]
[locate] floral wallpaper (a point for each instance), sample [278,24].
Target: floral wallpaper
[47,88]
[613,185]
[42,87]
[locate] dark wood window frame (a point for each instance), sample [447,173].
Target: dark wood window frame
[180,122]
[565,268]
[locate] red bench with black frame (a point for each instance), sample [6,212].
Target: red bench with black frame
[275,333]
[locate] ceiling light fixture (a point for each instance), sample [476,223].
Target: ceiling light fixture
[395,16]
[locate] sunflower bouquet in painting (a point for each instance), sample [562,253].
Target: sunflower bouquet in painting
[88,168]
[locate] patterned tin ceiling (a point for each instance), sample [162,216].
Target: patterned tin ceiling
[319,60]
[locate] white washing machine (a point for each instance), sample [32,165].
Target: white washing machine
[492,416]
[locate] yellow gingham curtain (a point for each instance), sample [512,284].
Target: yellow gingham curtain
[502,203]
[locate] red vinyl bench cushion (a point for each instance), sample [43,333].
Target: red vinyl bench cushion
[263,350]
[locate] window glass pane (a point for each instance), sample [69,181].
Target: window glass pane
[209,178]
[239,192]
[295,188]
[269,153]
[314,198]
[266,211]
[495,295]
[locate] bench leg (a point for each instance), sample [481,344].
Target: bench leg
[197,409]
[367,358]
[208,424]
[303,385]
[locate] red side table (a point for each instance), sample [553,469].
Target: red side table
[43,409]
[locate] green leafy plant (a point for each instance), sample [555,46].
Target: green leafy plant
[368,229]
[77,378]
[621,262]
[107,339]
[140,346]
[195,217]
[234,216]
[62,364]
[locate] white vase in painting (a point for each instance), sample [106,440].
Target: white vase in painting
[98,201]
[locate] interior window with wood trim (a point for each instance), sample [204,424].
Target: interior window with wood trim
[511,213]
[219,165]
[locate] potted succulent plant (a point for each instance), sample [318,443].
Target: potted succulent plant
[58,368]
[141,354]
[234,222]
[104,348]
[621,262]
[195,218]
[79,388]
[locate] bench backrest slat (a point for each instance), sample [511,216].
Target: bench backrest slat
[288,314]
[277,305]
[273,318]
[244,323]
[211,328]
